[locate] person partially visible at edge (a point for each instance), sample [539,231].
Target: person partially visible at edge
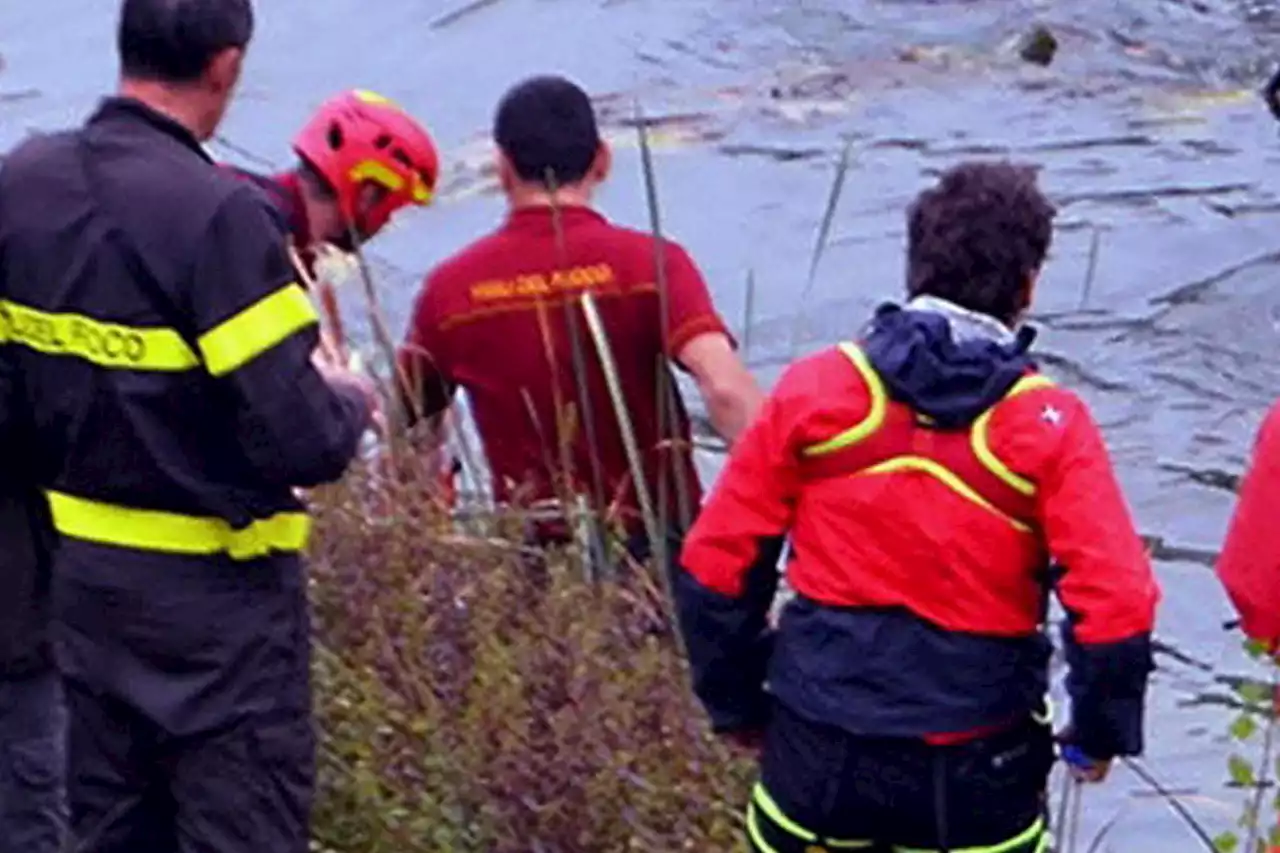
[928,477]
[495,319]
[32,715]
[168,364]
[1249,565]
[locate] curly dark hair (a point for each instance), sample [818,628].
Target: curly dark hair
[975,237]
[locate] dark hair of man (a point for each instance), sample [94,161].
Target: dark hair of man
[547,124]
[173,41]
[977,235]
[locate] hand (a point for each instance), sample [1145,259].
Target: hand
[332,348]
[341,377]
[1081,767]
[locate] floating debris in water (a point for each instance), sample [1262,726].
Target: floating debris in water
[473,169]
[1039,46]
[1214,478]
[460,13]
[20,95]
[780,153]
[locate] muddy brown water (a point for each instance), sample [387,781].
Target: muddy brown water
[1147,126]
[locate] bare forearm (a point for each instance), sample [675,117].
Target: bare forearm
[732,410]
[726,419]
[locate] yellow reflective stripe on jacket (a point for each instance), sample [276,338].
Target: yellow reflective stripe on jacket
[874,418]
[945,476]
[111,345]
[247,335]
[978,437]
[152,530]
[1021,842]
[762,802]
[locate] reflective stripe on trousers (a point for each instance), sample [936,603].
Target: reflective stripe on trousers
[771,831]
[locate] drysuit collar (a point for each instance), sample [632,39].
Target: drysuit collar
[945,361]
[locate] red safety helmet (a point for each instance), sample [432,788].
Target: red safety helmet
[360,136]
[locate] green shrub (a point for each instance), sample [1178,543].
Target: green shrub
[465,706]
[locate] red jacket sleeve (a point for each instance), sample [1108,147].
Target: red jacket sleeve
[1249,567]
[1104,582]
[427,387]
[728,575]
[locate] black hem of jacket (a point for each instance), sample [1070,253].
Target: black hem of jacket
[729,642]
[1107,683]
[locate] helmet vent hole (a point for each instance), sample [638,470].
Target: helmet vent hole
[402,158]
[383,140]
[335,136]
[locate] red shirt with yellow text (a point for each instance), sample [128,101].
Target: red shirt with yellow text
[500,319]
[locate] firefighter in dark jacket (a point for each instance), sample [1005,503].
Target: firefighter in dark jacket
[928,476]
[32,717]
[169,366]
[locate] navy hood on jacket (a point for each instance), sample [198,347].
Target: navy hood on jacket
[924,366]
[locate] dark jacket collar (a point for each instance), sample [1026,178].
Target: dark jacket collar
[118,109]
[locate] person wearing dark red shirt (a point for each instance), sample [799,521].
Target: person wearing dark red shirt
[928,477]
[503,319]
[1249,566]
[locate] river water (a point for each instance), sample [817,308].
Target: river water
[1147,126]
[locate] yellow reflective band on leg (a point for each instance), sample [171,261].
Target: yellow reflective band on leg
[753,829]
[761,798]
[762,802]
[111,345]
[256,329]
[1020,843]
[151,530]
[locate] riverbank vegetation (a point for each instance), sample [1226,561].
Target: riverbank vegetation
[466,705]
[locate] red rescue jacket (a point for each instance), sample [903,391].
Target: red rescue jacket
[1249,566]
[921,547]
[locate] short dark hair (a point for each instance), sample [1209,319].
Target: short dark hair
[975,237]
[174,41]
[547,123]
